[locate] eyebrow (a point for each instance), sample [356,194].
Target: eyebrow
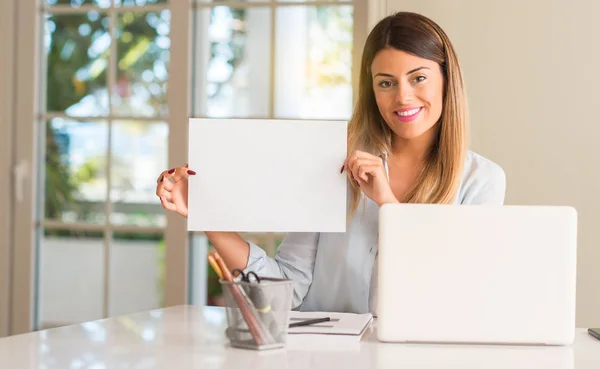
[392,76]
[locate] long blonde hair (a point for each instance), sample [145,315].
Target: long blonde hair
[440,176]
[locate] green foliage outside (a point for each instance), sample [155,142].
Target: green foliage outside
[77,71]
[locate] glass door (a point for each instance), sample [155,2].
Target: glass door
[102,131]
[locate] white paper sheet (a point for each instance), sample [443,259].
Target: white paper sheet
[256,175]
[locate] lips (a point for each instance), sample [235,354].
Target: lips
[409,114]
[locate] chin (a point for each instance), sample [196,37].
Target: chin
[409,135]
[410,132]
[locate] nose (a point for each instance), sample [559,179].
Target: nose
[404,93]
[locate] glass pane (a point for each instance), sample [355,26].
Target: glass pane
[231,62]
[71,277]
[313,53]
[139,2]
[201,2]
[139,154]
[143,56]
[78,3]
[308,1]
[267,241]
[203,281]
[211,293]
[137,273]
[76,47]
[75,183]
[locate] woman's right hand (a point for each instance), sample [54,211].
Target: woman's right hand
[172,189]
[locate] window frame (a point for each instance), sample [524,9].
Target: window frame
[7,69]
[21,285]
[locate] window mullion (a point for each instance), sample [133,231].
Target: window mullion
[272,62]
[111,80]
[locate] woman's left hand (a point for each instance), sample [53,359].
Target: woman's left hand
[368,171]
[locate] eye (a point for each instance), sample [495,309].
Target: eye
[385,84]
[419,79]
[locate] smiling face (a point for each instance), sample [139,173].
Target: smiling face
[409,92]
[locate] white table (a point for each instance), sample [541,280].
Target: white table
[193,337]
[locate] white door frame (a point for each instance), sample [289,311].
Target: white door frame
[176,235]
[26,110]
[377,9]
[7,44]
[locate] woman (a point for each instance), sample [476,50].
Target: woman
[406,143]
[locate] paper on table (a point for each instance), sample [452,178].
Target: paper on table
[257,175]
[341,323]
[344,328]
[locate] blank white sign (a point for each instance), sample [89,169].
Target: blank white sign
[257,175]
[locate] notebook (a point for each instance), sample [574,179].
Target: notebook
[343,328]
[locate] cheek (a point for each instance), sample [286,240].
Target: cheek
[383,101]
[434,97]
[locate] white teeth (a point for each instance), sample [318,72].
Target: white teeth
[408,113]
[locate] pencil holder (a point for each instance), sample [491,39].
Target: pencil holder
[257,312]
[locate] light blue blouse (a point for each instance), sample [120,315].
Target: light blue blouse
[338,271]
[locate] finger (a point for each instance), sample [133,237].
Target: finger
[350,163]
[360,182]
[367,166]
[167,205]
[161,177]
[177,174]
[362,174]
[365,155]
[347,168]
[168,185]
[368,158]
[164,185]
[365,170]
[356,165]
[346,164]
[167,195]
[160,187]
[359,157]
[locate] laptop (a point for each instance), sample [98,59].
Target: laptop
[477,274]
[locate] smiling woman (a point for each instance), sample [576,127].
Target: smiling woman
[412,109]
[407,143]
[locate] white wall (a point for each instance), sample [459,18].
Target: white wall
[533,79]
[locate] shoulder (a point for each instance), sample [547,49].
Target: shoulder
[483,181]
[478,167]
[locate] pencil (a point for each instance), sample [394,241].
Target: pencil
[244,304]
[309,322]
[222,266]
[215,266]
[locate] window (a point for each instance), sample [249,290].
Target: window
[104,131]
[278,59]
[114,82]
[273,60]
